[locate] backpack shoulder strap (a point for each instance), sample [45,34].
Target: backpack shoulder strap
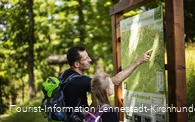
[66,81]
[96,116]
[62,80]
[92,115]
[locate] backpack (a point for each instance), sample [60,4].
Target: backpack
[96,117]
[53,103]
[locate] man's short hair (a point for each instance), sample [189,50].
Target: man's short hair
[73,54]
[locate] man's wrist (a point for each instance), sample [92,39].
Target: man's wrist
[137,62]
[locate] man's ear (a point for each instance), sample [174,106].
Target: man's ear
[76,64]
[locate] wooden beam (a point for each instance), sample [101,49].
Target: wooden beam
[117,59]
[57,59]
[127,5]
[176,59]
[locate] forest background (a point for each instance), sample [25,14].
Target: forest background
[33,30]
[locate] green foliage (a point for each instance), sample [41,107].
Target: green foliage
[58,26]
[13,47]
[3,94]
[31,115]
[189,12]
[190,76]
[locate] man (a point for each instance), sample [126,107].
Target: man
[79,62]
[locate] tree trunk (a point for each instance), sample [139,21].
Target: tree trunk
[31,40]
[81,22]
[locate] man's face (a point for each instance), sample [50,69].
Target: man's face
[84,63]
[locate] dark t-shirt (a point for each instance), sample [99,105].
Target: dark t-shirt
[110,116]
[76,90]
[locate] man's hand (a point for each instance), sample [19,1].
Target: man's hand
[122,75]
[144,57]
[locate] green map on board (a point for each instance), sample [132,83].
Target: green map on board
[139,34]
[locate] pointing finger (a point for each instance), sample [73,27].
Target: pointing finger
[149,51]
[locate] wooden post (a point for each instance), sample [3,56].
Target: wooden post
[176,59]
[117,59]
